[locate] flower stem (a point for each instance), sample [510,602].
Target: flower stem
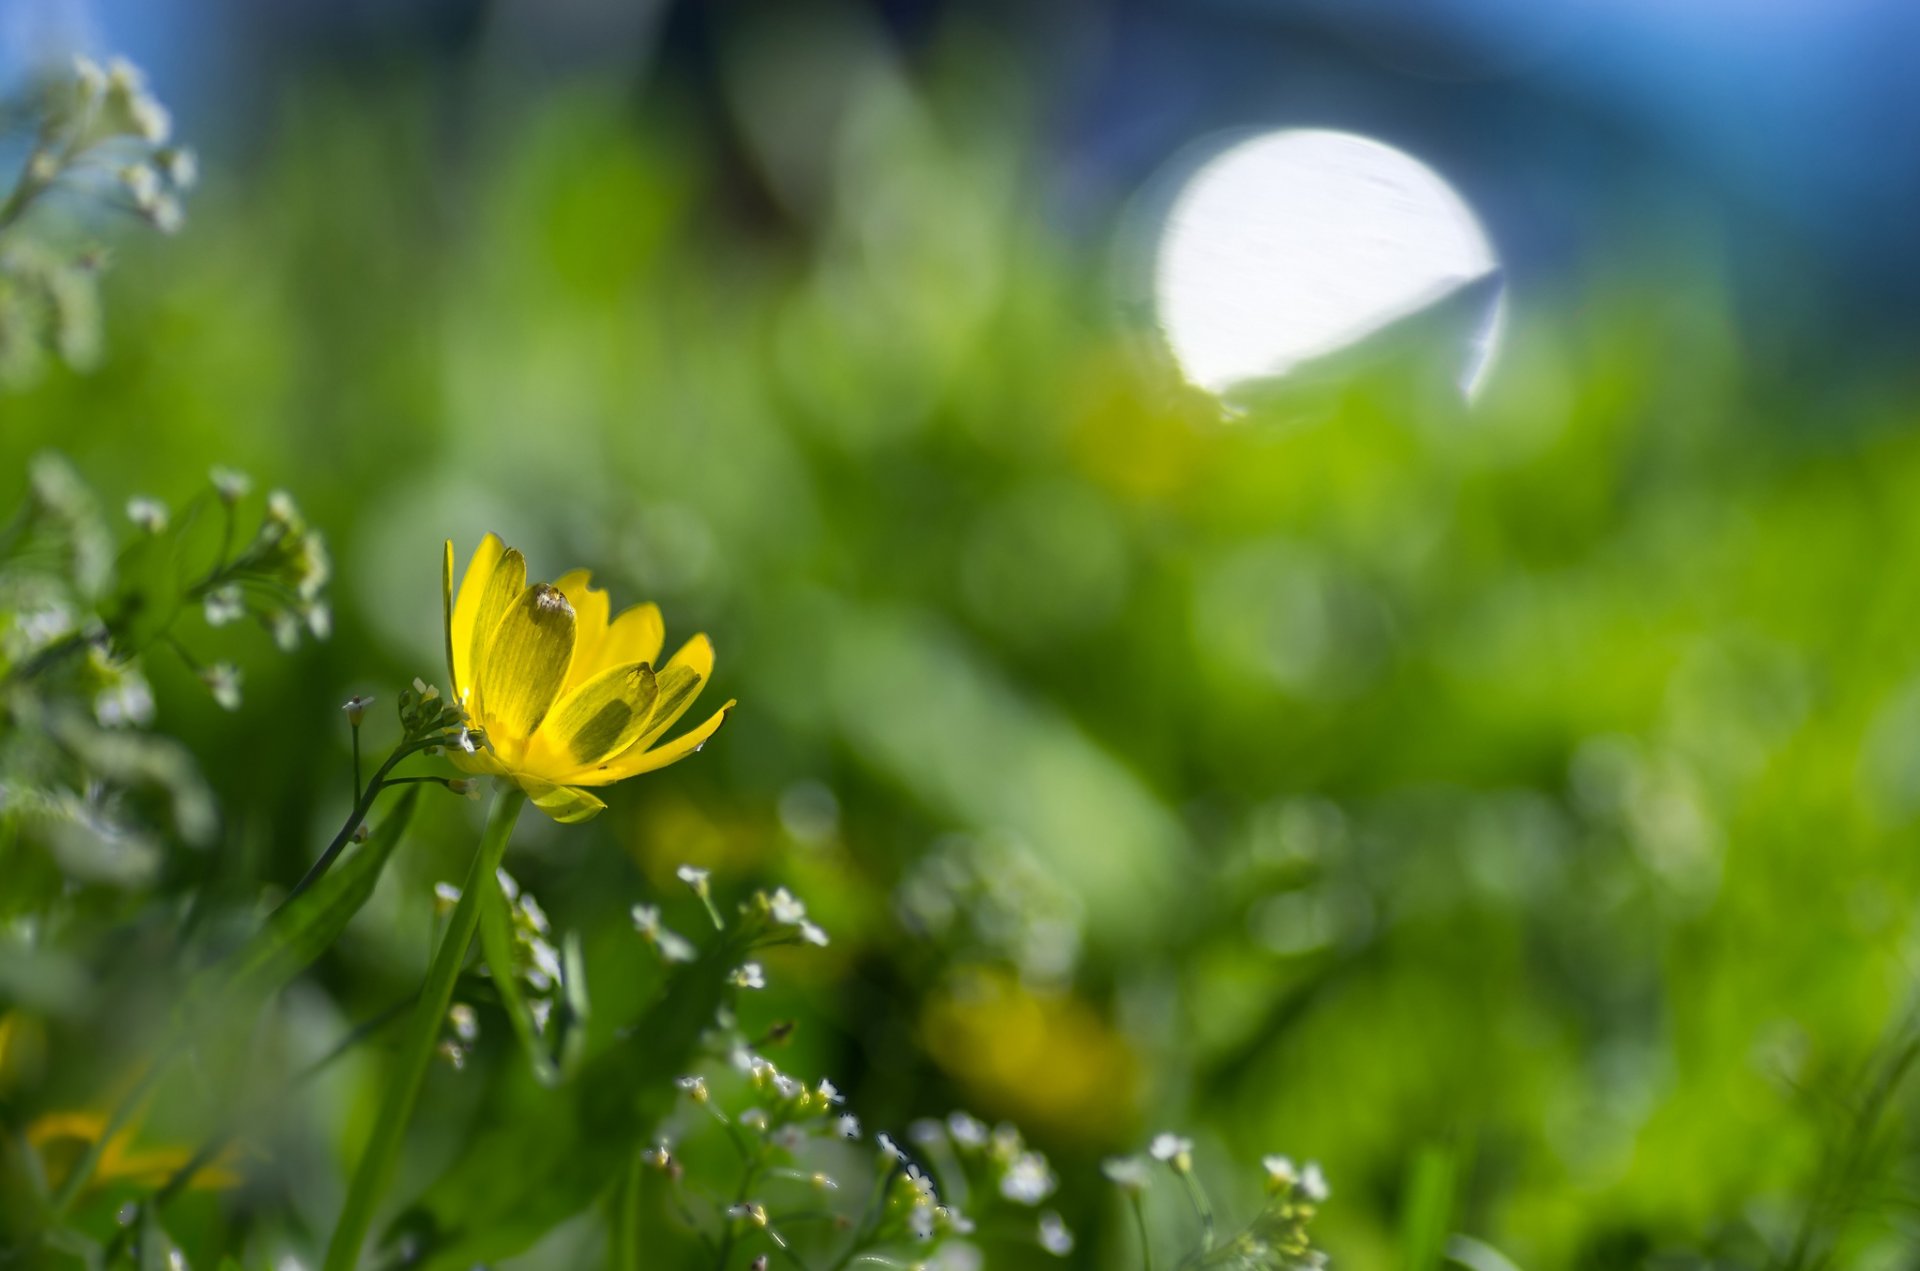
[423,1034]
[359,814]
[1140,1222]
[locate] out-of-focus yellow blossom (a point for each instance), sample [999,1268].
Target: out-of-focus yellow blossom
[1040,1058]
[62,1138]
[562,694]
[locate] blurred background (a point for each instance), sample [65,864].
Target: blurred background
[1337,576]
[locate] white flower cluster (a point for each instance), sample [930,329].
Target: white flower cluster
[1276,1239]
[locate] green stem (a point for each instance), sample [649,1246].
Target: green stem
[1201,1208]
[359,814]
[1140,1222]
[423,1035]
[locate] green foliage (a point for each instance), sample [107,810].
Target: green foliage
[1366,772]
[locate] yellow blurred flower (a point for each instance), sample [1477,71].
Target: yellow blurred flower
[1043,1058]
[62,1138]
[562,695]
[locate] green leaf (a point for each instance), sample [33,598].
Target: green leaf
[518,1179]
[1427,1216]
[424,1027]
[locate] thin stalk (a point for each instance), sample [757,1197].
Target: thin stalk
[1140,1225]
[359,814]
[1202,1208]
[423,1035]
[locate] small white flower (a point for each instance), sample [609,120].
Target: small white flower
[225,604]
[445,897]
[1028,1180]
[535,916]
[1054,1236]
[148,513]
[750,976]
[813,935]
[232,486]
[1281,1175]
[465,1024]
[847,1126]
[828,1093]
[1313,1184]
[671,947]
[1170,1147]
[692,877]
[786,908]
[695,1088]
[1129,1173]
[128,701]
[888,1148]
[545,971]
[967,1131]
[223,681]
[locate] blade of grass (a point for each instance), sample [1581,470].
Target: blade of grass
[423,1035]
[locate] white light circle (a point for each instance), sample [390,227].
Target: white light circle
[1297,244]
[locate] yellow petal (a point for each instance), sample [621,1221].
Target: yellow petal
[590,611]
[525,665]
[596,721]
[636,636]
[680,681]
[482,762]
[563,803]
[504,586]
[639,760]
[446,617]
[466,608]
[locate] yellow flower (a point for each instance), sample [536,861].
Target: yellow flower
[62,1138]
[563,697]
